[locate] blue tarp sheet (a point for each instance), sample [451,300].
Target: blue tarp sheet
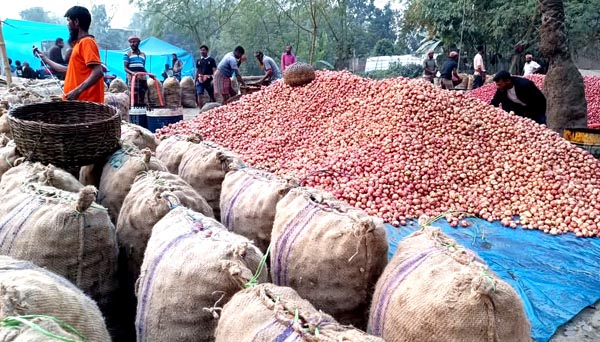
[556,276]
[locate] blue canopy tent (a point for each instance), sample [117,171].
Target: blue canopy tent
[20,36]
[158,53]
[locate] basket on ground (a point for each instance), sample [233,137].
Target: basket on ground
[299,74]
[67,134]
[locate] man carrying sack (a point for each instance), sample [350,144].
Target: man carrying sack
[134,61]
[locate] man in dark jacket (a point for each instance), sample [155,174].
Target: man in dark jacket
[520,96]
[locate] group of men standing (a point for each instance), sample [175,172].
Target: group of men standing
[513,93]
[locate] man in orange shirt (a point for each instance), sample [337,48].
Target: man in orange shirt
[84,80]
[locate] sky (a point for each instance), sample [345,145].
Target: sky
[121,10]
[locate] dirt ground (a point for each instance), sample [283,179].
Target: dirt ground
[585,327]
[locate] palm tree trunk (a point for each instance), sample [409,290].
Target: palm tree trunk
[563,85]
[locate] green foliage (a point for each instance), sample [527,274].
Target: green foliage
[397,70]
[384,47]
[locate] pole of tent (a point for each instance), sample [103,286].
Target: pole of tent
[5,57]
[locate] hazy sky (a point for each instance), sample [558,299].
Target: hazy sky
[120,10]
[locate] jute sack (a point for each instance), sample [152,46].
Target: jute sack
[172,92]
[8,154]
[152,196]
[248,201]
[273,313]
[153,99]
[138,136]
[204,167]
[119,174]
[328,251]
[14,330]
[435,290]
[63,232]
[27,172]
[188,92]
[192,266]
[120,101]
[118,86]
[26,289]
[171,150]
[4,126]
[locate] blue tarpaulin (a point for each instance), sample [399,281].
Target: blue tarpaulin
[556,276]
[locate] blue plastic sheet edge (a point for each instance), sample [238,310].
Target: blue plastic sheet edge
[556,276]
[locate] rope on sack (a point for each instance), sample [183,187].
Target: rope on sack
[261,266]
[14,322]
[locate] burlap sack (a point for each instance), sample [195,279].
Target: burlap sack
[171,150]
[118,86]
[119,173]
[4,126]
[188,92]
[269,312]
[209,106]
[152,196]
[328,251]
[138,136]
[27,172]
[63,232]
[153,98]
[172,92]
[120,101]
[248,201]
[45,327]
[26,289]
[192,266]
[8,154]
[435,290]
[204,167]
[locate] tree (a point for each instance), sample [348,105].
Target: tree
[384,47]
[563,85]
[38,14]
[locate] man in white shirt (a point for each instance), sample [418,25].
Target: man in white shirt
[479,67]
[531,67]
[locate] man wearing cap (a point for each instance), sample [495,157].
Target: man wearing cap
[448,72]
[84,80]
[429,67]
[531,67]
[134,61]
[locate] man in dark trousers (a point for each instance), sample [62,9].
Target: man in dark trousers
[520,96]
[205,69]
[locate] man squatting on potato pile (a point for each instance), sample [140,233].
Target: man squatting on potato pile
[84,80]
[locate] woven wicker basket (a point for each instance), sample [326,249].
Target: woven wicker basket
[299,74]
[67,134]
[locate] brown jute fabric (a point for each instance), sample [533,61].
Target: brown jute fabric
[8,154]
[4,126]
[63,232]
[171,150]
[118,86]
[120,172]
[204,167]
[188,92]
[25,333]
[153,99]
[172,92]
[248,201]
[152,196]
[138,136]
[191,268]
[274,313]
[328,251]
[121,101]
[26,289]
[299,74]
[49,175]
[436,290]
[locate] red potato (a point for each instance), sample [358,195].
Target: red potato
[401,148]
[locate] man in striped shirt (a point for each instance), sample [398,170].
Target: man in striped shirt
[134,61]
